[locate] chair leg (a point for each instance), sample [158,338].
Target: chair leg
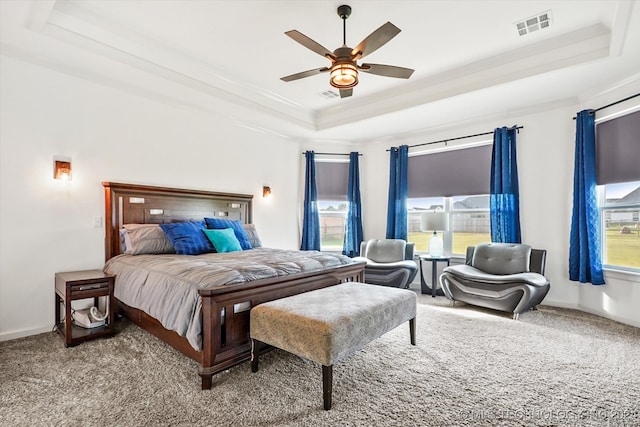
[516,316]
[327,386]
[412,330]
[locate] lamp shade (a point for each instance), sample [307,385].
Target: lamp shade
[434,221]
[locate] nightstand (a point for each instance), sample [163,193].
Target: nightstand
[78,285]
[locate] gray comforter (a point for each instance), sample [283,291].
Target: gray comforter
[166,286]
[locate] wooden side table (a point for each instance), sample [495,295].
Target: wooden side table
[434,274]
[77,285]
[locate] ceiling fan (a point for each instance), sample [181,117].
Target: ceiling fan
[344,68]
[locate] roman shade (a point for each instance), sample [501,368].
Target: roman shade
[332,180]
[618,150]
[461,172]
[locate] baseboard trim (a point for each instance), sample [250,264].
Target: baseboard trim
[7,336]
[595,312]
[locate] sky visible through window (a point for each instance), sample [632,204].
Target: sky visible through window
[618,191]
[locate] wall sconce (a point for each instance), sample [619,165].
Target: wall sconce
[266,191]
[62,170]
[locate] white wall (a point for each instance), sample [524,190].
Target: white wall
[47,226]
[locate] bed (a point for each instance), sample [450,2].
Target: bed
[224,309]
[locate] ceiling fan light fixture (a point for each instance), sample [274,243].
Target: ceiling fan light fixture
[343,75]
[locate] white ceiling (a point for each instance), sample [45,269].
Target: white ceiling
[227,57]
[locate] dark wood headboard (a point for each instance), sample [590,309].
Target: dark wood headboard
[143,204]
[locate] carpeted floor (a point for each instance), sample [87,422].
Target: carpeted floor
[471,367]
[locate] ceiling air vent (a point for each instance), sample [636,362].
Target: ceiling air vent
[534,23]
[330,94]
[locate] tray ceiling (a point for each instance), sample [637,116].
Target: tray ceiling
[227,57]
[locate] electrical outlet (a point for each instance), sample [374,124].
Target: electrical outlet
[97,221]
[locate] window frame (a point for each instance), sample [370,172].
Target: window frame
[602,202]
[344,217]
[602,207]
[448,236]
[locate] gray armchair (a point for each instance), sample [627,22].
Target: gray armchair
[389,262]
[501,276]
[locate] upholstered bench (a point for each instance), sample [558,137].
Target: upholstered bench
[328,324]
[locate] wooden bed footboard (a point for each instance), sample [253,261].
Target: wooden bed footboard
[225,316]
[225,313]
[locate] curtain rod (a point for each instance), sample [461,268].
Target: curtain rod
[517,128]
[333,154]
[613,103]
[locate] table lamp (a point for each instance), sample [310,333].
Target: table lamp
[436,221]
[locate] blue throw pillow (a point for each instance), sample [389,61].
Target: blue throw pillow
[237,227]
[187,237]
[224,240]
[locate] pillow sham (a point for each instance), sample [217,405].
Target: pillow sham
[142,239]
[238,229]
[187,237]
[252,235]
[223,239]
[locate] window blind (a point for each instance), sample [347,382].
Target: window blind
[618,149]
[461,172]
[332,180]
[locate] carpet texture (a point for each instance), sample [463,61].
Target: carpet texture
[471,367]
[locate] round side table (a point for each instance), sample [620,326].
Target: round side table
[434,274]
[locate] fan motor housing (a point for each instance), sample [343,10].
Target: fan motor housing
[343,53]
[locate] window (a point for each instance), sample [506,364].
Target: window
[469,222]
[618,178]
[332,180]
[333,216]
[620,217]
[456,182]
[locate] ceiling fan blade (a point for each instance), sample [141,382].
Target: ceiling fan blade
[304,74]
[346,92]
[387,70]
[309,43]
[375,40]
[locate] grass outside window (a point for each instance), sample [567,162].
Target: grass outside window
[622,250]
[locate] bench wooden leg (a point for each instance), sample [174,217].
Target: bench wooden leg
[327,385]
[412,330]
[255,353]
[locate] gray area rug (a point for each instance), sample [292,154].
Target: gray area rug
[471,367]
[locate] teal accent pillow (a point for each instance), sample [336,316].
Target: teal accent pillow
[224,240]
[238,229]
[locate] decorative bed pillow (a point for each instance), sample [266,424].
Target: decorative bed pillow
[252,235]
[224,239]
[123,244]
[142,239]
[237,227]
[187,237]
